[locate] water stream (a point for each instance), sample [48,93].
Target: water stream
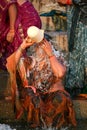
[81,125]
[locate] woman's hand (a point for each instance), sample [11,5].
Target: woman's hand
[10,36]
[47,47]
[26,43]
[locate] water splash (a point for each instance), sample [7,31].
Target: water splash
[50,128]
[5,127]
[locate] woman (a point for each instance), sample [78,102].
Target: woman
[43,92]
[76,80]
[7,25]
[24,15]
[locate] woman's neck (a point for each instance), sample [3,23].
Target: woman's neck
[20,2]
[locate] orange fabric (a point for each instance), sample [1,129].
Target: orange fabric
[82,96]
[11,67]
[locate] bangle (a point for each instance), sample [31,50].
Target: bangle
[68,2]
[11,30]
[21,49]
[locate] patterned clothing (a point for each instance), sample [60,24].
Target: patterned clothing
[76,76]
[44,108]
[27,16]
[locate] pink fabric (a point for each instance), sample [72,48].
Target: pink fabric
[27,16]
[4,27]
[4,21]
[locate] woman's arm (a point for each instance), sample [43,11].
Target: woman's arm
[26,43]
[13,60]
[12,11]
[12,15]
[58,69]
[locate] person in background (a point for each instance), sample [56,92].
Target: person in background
[76,78]
[48,105]
[7,27]
[16,16]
